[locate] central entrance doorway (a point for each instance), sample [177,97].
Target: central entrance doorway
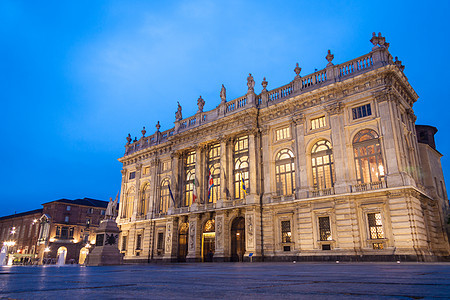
[183,239]
[238,239]
[208,241]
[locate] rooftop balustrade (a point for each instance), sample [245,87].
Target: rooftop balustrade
[378,57]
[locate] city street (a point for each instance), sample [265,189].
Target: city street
[229,280]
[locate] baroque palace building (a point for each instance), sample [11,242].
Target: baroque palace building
[329,166]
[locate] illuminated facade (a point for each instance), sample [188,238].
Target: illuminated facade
[327,166]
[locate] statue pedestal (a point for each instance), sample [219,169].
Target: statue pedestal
[106,251]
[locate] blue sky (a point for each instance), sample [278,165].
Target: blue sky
[76,77]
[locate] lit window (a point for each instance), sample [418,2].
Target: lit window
[361,111]
[146,171]
[241,175]
[324,229]
[285,172]
[165,166]
[322,165]
[164,196]
[189,183]
[58,231]
[214,169]
[368,160]
[318,123]
[132,175]
[375,226]
[88,221]
[283,133]
[286,231]
[65,232]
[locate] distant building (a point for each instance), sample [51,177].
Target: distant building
[329,166]
[21,230]
[41,235]
[69,225]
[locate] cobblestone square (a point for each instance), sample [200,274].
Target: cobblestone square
[229,281]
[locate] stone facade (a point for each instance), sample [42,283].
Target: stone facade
[327,166]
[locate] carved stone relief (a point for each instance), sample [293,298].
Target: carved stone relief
[250,233]
[192,226]
[168,237]
[219,232]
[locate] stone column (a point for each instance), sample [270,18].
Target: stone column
[269,191]
[301,190]
[137,193]
[154,183]
[388,140]
[174,181]
[122,192]
[223,172]
[195,241]
[253,162]
[335,112]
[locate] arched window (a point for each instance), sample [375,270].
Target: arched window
[164,196]
[368,160]
[143,203]
[241,178]
[189,183]
[322,165]
[214,169]
[285,172]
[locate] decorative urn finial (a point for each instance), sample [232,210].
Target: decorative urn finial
[297,70]
[264,84]
[329,58]
[143,131]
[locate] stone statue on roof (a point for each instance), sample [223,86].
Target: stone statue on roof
[250,83]
[178,115]
[223,94]
[200,104]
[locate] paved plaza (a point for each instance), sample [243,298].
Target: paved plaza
[229,281]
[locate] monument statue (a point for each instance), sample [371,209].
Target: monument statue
[223,94]
[201,104]
[111,210]
[250,83]
[178,115]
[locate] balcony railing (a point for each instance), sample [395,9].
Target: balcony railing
[369,186]
[320,192]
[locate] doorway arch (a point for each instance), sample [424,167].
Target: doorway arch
[83,254]
[183,239]
[209,241]
[238,239]
[61,255]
